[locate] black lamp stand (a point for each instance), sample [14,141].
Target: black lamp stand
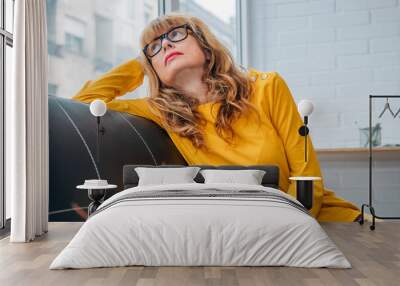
[305,185]
[303,131]
[97,195]
[102,131]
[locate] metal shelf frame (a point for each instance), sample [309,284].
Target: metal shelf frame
[369,205]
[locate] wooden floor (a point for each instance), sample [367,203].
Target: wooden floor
[375,257]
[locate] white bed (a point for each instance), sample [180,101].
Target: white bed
[250,225]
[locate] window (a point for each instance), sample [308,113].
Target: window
[73,43]
[6,43]
[88,38]
[74,35]
[54,48]
[9,19]
[104,43]
[220,16]
[147,12]
[52,89]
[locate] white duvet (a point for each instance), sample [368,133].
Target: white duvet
[183,231]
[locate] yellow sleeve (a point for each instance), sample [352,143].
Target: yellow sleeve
[115,83]
[287,121]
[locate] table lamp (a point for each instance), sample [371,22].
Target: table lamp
[97,187]
[98,108]
[305,184]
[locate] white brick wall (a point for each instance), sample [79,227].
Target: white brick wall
[347,175]
[335,52]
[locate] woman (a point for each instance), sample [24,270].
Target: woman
[215,113]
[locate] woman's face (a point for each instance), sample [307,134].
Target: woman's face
[175,58]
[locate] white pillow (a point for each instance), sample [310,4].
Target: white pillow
[248,176]
[161,176]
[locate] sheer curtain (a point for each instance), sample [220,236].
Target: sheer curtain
[27,170]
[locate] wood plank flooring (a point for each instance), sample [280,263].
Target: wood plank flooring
[374,255]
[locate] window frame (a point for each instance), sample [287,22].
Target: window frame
[6,39]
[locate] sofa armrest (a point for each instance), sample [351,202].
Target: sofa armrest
[128,139]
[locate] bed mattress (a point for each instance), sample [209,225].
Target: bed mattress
[198,224]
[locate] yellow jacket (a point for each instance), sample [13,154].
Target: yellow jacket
[274,141]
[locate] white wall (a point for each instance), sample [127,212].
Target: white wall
[335,53]
[347,175]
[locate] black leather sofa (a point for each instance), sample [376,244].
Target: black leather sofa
[72,152]
[127,140]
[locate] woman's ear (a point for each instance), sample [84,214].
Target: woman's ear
[208,55]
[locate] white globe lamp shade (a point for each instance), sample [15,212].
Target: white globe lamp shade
[305,107]
[98,107]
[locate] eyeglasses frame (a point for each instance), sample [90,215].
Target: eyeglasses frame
[165,35]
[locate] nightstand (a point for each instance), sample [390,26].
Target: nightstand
[96,192]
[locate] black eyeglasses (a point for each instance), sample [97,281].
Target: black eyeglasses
[176,34]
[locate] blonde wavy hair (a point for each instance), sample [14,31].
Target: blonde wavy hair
[226,82]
